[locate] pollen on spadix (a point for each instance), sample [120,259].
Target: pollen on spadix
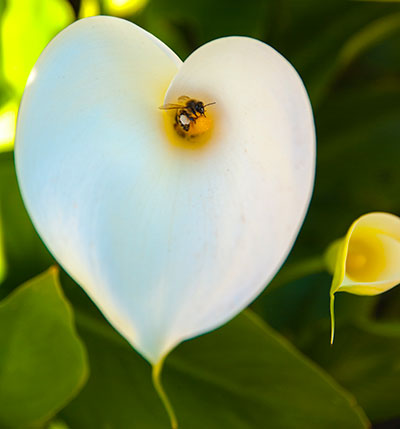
[200,126]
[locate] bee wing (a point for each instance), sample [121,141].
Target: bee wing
[184,98]
[170,106]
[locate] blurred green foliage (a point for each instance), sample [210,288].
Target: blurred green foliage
[40,21]
[244,375]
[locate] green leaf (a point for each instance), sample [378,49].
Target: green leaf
[365,359]
[42,361]
[186,27]
[368,37]
[2,256]
[357,169]
[27,27]
[299,309]
[243,375]
[57,424]
[261,380]
[24,252]
[389,308]
[318,37]
[119,393]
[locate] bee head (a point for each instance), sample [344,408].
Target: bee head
[199,107]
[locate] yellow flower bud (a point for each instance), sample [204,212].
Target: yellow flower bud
[367,260]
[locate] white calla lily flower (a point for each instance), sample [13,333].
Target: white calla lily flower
[170,236]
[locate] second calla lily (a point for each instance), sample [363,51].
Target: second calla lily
[367,260]
[169,235]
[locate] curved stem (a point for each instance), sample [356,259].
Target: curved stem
[332,310]
[156,377]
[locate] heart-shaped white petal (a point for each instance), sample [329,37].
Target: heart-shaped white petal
[169,241]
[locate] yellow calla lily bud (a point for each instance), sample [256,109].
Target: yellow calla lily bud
[367,260]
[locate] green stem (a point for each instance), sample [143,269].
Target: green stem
[156,377]
[298,270]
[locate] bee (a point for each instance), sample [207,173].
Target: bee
[188,113]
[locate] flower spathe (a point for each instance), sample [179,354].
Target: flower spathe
[169,240]
[367,260]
